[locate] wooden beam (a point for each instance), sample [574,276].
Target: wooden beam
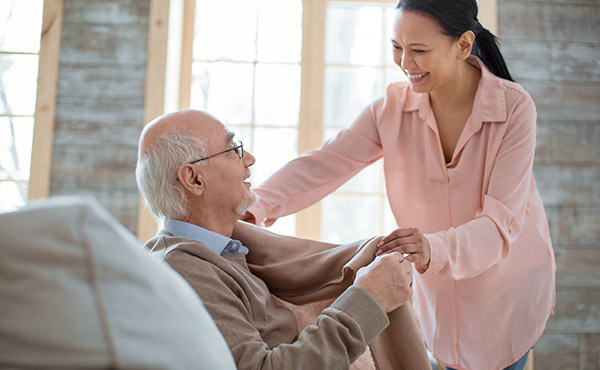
[45,108]
[310,128]
[187,47]
[158,28]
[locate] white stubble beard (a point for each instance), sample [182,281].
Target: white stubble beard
[249,199]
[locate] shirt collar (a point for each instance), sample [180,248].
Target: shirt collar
[213,241]
[490,96]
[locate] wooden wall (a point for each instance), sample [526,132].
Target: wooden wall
[553,48]
[100,102]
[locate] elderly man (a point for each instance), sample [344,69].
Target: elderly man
[193,177]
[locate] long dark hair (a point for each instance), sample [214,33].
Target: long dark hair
[458,16]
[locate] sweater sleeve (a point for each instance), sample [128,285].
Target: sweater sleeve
[458,252]
[341,334]
[316,173]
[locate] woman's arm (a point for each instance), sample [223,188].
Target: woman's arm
[316,173]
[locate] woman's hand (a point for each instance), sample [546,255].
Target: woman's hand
[409,241]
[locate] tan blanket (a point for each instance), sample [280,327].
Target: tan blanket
[307,271]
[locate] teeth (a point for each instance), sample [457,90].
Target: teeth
[416,77]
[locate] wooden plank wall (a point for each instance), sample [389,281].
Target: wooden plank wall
[553,50]
[100,102]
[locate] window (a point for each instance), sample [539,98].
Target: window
[252,73]
[20,30]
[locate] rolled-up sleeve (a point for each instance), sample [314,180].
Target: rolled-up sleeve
[316,173]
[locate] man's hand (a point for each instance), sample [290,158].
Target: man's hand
[387,279]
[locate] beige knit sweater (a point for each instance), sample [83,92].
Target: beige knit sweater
[262,335]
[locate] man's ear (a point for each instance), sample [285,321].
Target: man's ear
[191,179]
[465,44]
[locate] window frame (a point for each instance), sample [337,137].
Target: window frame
[45,106]
[154,97]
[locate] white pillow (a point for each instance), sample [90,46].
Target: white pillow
[77,290]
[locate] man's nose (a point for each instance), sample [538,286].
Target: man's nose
[248,159]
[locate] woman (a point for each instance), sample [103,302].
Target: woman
[459,141]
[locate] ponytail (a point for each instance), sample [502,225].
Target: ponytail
[487,49]
[458,16]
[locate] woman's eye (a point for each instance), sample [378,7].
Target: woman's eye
[419,51]
[396,47]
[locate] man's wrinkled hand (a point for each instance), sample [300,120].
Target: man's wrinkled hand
[387,279]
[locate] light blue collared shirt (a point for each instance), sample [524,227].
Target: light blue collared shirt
[213,241]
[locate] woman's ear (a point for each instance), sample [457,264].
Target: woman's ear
[191,179]
[465,44]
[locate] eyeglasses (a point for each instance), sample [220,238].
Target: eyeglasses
[238,148]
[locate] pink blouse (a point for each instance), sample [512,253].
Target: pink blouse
[489,289]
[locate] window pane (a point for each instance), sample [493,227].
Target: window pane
[284,226]
[394,74]
[224,89]
[279,31]
[277,94]
[15,147]
[18,83]
[389,221]
[273,147]
[20,25]
[330,132]
[347,92]
[346,218]
[353,34]
[225,29]
[390,15]
[12,195]
[243,133]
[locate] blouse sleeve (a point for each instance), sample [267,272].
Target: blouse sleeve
[471,248]
[316,173]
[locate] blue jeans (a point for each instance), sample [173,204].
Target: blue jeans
[519,365]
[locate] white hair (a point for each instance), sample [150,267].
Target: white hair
[156,172]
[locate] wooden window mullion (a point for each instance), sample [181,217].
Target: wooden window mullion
[45,109]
